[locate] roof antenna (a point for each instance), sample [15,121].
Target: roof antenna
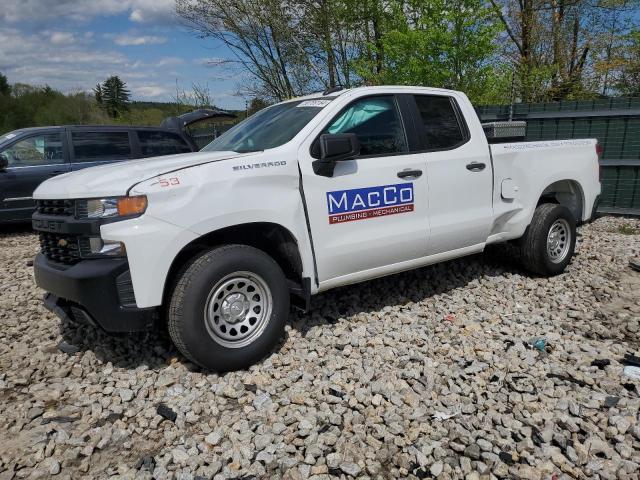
[333,90]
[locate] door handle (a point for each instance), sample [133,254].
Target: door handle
[57,172]
[476,166]
[409,174]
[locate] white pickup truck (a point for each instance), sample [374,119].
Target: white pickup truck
[304,196]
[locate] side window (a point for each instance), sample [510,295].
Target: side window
[376,122]
[99,146]
[36,150]
[441,126]
[161,143]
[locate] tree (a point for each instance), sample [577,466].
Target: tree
[628,76]
[440,43]
[554,46]
[97,94]
[115,96]
[199,97]
[5,88]
[256,104]
[259,35]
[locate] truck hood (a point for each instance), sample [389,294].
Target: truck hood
[117,178]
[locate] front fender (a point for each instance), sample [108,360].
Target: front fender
[186,205]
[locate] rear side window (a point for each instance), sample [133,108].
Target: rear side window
[442,128]
[101,146]
[161,143]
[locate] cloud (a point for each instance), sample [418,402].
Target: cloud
[130,40]
[34,59]
[150,91]
[42,11]
[152,11]
[62,38]
[169,62]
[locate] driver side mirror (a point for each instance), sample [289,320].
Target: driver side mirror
[4,162]
[334,148]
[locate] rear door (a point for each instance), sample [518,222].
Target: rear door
[459,175]
[91,147]
[32,159]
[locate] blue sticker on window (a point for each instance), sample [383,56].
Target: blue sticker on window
[369,202]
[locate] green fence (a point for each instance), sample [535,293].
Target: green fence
[614,122]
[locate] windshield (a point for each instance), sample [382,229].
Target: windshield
[7,137]
[269,128]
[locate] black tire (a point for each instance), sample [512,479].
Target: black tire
[187,320]
[534,254]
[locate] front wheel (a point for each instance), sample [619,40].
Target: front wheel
[550,239]
[228,308]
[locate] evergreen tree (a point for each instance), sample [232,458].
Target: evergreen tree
[5,88]
[115,96]
[97,93]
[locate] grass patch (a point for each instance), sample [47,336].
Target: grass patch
[627,229]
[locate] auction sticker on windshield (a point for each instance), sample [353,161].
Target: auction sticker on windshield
[369,202]
[314,103]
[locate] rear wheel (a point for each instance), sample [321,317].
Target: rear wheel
[549,242]
[228,308]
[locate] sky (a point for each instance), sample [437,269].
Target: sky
[72,45]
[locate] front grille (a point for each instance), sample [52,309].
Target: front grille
[62,248]
[56,207]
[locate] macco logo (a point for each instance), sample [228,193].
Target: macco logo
[369,202]
[362,201]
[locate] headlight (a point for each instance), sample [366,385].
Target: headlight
[116,207]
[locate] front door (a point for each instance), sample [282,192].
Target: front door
[372,212]
[32,160]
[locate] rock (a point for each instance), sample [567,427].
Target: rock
[53,466]
[179,456]
[213,438]
[344,399]
[126,394]
[68,348]
[596,446]
[621,424]
[465,465]
[262,400]
[472,451]
[166,412]
[436,468]
[333,460]
[350,468]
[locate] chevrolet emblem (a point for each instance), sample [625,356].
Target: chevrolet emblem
[62,242]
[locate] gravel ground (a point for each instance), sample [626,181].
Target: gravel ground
[425,374]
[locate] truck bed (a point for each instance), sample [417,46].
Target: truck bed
[521,169]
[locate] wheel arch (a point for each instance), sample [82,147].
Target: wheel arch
[567,192]
[274,239]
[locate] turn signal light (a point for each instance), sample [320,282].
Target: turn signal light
[132,205]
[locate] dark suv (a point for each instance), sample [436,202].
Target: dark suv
[31,155]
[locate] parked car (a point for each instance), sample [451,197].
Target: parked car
[304,196]
[31,155]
